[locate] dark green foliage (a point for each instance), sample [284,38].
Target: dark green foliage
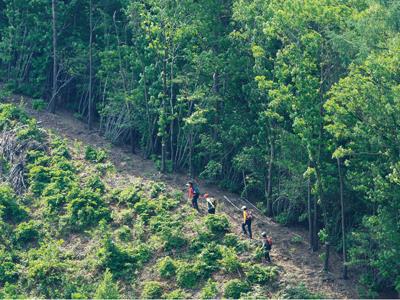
[299,292]
[257,274]
[187,276]
[235,288]
[8,267]
[166,267]
[210,290]
[208,260]
[10,115]
[10,210]
[176,294]
[94,155]
[217,224]
[38,104]
[85,208]
[107,288]
[152,290]
[27,232]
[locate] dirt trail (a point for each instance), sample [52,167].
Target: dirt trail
[294,259]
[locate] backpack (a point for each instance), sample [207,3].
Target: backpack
[249,215]
[196,190]
[268,244]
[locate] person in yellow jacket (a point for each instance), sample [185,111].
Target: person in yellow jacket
[247,217]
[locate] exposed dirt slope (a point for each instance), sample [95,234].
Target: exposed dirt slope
[294,259]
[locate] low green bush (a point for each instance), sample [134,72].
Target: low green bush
[187,276]
[257,274]
[93,155]
[11,114]
[156,189]
[210,290]
[124,233]
[86,208]
[299,291]
[10,210]
[130,195]
[152,290]
[8,268]
[95,184]
[39,104]
[172,238]
[107,288]
[230,261]
[176,294]
[27,232]
[208,260]
[166,267]
[234,288]
[146,209]
[217,224]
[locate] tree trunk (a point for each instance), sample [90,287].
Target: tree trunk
[53,100]
[269,185]
[309,211]
[90,103]
[343,220]
[163,139]
[327,253]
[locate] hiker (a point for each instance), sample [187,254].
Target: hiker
[267,245]
[247,217]
[193,193]
[211,203]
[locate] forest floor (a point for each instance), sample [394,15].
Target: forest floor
[291,254]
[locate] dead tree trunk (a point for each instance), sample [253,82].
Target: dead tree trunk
[343,220]
[53,100]
[90,100]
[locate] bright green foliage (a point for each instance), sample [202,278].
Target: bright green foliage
[210,290]
[299,292]
[152,290]
[38,104]
[10,210]
[27,232]
[93,155]
[166,267]
[107,288]
[258,274]
[176,294]
[230,261]
[187,276]
[235,288]
[8,267]
[217,224]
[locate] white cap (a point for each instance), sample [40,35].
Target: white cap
[244,207]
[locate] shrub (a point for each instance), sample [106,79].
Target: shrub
[156,189]
[166,267]
[235,288]
[38,104]
[95,184]
[176,294]
[130,195]
[120,261]
[217,224]
[8,268]
[27,232]
[257,274]
[47,271]
[186,276]
[152,290]
[38,178]
[86,208]
[93,155]
[231,240]
[107,289]
[10,210]
[11,291]
[300,292]
[230,261]
[210,290]
[172,238]
[207,261]
[11,114]
[146,209]
[124,233]
[202,239]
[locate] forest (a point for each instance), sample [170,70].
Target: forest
[292,104]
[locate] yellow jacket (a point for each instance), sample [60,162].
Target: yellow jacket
[244,216]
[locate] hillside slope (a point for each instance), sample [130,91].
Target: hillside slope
[293,261]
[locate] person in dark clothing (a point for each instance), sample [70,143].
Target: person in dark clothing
[267,245]
[193,194]
[247,217]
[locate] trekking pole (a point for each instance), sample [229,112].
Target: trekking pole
[255,207]
[231,202]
